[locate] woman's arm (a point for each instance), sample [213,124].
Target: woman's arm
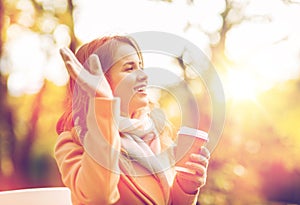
[91,171]
[180,197]
[186,186]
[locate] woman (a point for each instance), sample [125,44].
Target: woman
[112,149]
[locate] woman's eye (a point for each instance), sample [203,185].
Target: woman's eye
[129,69]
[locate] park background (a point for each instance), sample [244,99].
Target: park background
[254,46]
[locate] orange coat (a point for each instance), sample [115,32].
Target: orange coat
[94,184]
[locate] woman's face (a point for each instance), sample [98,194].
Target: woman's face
[128,81]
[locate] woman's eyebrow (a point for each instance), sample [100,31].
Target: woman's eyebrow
[132,63]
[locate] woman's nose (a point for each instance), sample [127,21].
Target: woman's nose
[141,75]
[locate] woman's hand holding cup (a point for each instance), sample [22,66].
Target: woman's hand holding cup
[192,159]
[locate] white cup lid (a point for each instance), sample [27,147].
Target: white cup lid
[193,132]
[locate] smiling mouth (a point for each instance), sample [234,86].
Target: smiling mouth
[141,89]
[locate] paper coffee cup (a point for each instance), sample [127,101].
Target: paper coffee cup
[189,141]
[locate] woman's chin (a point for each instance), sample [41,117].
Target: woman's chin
[139,107]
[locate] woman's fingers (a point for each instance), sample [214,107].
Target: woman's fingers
[67,54]
[63,54]
[205,152]
[73,66]
[101,85]
[92,81]
[198,163]
[192,178]
[95,65]
[72,73]
[199,159]
[198,168]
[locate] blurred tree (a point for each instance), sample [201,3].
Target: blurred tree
[7,135]
[27,122]
[257,133]
[281,176]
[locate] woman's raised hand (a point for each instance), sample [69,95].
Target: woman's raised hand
[93,82]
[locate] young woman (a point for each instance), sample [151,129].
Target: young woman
[112,148]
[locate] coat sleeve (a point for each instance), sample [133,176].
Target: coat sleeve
[91,171]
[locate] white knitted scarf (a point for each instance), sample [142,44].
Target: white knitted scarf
[141,141]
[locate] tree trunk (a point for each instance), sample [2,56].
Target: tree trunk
[7,135]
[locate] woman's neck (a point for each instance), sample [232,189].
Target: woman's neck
[137,114]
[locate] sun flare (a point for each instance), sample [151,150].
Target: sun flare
[241,86]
